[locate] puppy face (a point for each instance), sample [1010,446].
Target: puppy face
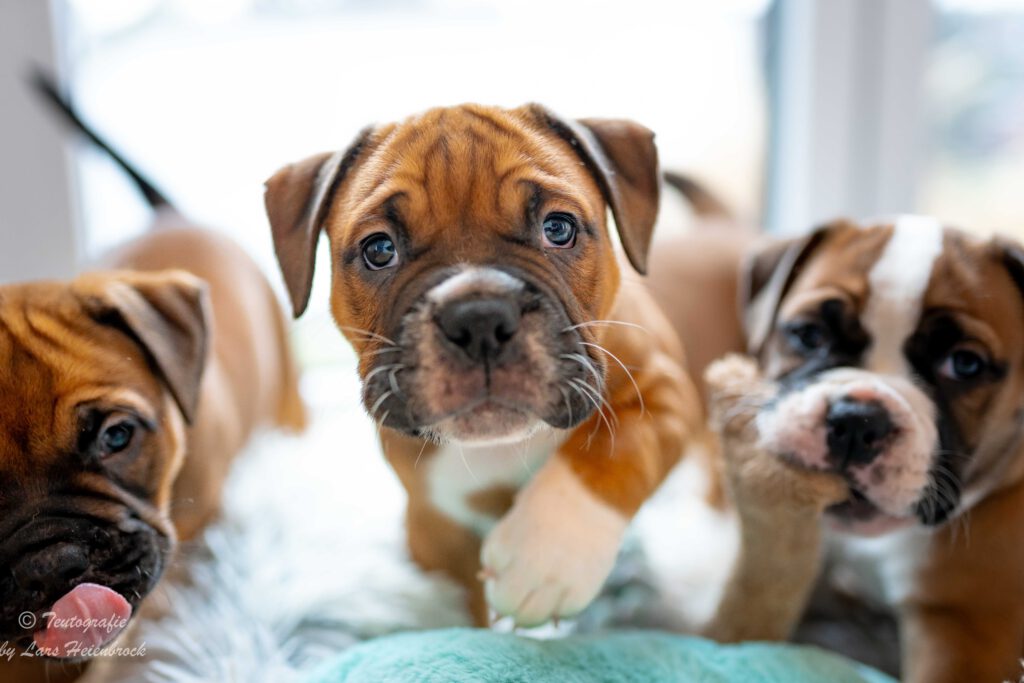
[898,351]
[468,246]
[92,425]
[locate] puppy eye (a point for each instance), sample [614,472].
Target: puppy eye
[379,252]
[559,231]
[962,365]
[115,437]
[806,337]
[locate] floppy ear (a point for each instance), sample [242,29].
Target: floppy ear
[1011,254]
[765,277]
[167,314]
[623,159]
[297,200]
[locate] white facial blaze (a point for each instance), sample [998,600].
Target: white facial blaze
[474,280]
[898,282]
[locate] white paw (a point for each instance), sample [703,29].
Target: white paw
[550,554]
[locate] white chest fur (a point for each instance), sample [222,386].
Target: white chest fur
[457,471]
[881,569]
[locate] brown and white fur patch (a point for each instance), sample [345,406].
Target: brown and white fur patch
[918,331]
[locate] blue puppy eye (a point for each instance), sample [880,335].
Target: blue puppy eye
[807,337]
[379,252]
[116,437]
[559,230]
[963,365]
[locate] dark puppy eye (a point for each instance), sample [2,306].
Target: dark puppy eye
[379,252]
[962,365]
[559,231]
[806,337]
[115,437]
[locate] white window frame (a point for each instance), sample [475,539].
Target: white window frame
[39,220]
[847,89]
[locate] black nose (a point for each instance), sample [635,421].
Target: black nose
[52,568]
[481,328]
[856,430]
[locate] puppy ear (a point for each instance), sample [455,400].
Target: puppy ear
[765,277]
[167,314]
[623,159]
[1011,254]
[297,200]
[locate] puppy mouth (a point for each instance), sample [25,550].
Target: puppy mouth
[429,387]
[859,516]
[856,508]
[70,585]
[489,419]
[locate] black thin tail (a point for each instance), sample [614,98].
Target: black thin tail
[45,86]
[703,201]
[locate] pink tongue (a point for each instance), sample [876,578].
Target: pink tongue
[85,619]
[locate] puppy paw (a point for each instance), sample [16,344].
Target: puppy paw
[756,475]
[551,553]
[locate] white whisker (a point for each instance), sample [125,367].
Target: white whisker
[419,455]
[589,323]
[378,403]
[368,333]
[622,365]
[462,454]
[379,369]
[393,379]
[587,365]
[599,405]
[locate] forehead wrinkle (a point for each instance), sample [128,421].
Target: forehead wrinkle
[111,395]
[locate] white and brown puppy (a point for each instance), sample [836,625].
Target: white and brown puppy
[899,350]
[527,402]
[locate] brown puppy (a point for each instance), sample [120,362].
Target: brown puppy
[899,350]
[527,402]
[124,396]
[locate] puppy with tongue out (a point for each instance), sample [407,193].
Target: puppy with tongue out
[83,621]
[124,396]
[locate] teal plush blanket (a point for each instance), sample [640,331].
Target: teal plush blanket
[480,656]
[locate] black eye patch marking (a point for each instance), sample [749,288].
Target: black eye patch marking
[828,338]
[932,352]
[940,342]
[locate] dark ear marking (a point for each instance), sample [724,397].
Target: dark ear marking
[1011,254]
[623,160]
[297,199]
[766,276]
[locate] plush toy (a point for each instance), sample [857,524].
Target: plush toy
[779,507]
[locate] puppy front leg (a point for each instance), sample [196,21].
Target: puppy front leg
[550,555]
[437,543]
[780,515]
[779,508]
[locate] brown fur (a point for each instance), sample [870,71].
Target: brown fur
[59,347]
